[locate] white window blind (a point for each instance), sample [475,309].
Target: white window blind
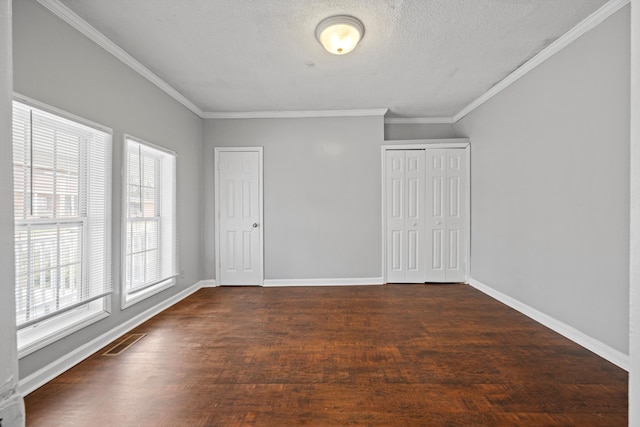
[150,229]
[62,208]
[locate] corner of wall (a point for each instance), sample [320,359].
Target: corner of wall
[606,352]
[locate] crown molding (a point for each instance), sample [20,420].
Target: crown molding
[417,120]
[295,114]
[96,36]
[71,18]
[563,41]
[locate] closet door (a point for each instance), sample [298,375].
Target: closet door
[446,215]
[405,231]
[435,270]
[455,216]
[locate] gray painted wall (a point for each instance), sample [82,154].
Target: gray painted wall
[550,186]
[322,193]
[82,78]
[11,405]
[394,131]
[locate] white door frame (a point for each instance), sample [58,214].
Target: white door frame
[418,144]
[216,156]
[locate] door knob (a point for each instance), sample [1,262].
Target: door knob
[415,224]
[255,225]
[438,223]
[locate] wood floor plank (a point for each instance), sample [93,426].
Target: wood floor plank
[393,355]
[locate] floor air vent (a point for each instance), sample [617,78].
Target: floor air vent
[126,342]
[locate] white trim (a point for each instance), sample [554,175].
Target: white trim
[129,299]
[634,227]
[418,120]
[295,114]
[135,298]
[606,352]
[74,321]
[412,144]
[62,113]
[209,283]
[57,367]
[563,41]
[141,141]
[323,282]
[468,224]
[71,18]
[417,144]
[383,199]
[89,31]
[216,154]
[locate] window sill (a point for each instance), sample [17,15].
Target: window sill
[131,299]
[34,338]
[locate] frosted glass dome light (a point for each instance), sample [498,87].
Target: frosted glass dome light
[339,34]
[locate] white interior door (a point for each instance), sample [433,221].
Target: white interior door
[426,214]
[455,216]
[405,179]
[436,198]
[239,231]
[446,215]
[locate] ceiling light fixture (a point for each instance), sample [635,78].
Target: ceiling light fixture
[339,34]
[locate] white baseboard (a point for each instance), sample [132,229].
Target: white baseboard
[323,282]
[210,283]
[52,370]
[606,352]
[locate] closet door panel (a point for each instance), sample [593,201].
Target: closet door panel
[436,207]
[455,219]
[414,223]
[395,190]
[405,188]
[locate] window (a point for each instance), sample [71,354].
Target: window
[150,263]
[62,208]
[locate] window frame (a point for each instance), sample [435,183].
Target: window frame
[37,335]
[140,293]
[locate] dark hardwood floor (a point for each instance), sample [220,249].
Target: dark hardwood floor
[393,355]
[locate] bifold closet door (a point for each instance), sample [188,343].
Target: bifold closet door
[446,220]
[405,208]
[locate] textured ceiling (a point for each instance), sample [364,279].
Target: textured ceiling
[419,58]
